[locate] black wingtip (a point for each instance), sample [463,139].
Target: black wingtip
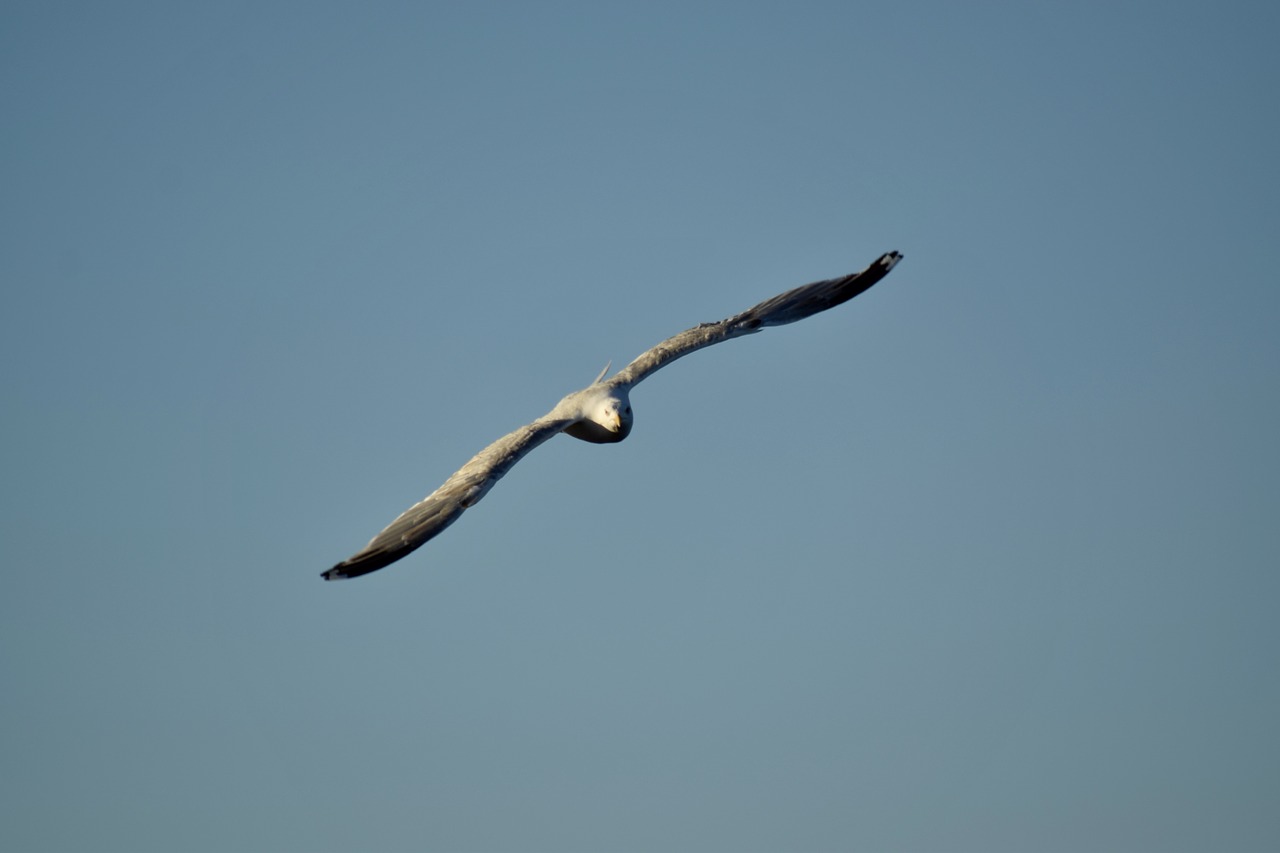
[862,282]
[365,562]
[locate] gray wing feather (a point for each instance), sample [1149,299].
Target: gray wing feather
[778,311]
[422,521]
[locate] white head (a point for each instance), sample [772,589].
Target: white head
[607,416]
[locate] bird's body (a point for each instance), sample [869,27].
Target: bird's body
[600,413]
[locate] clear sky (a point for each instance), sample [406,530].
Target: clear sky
[984,560]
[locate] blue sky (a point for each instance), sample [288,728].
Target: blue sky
[984,560]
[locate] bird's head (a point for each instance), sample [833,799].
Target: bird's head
[615,415]
[606,419]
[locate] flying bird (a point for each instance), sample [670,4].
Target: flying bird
[599,413]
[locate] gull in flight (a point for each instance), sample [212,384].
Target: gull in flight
[599,413]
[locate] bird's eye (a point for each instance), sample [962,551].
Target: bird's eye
[628,410]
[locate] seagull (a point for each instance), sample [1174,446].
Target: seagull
[599,413]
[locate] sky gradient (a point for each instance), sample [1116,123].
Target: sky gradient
[984,560]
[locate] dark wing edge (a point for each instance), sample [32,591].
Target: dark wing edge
[810,299]
[428,517]
[796,304]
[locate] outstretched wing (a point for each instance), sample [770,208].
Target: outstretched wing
[422,521]
[782,309]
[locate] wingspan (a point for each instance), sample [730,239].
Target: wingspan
[425,519]
[779,310]
[422,521]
